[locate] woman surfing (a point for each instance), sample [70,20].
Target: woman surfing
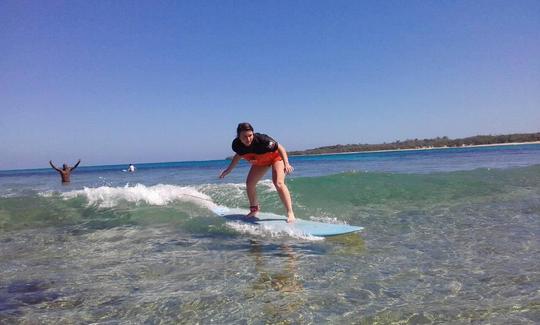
[263,153]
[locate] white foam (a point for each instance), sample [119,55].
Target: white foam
[8,194]
[46,194]
[332,220]
[227,191]
[237,189]
[263,231]
[268,184]
[161,194]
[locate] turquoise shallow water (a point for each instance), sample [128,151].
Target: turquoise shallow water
[451,236]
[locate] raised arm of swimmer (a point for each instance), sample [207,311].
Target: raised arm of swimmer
[233,164]
[53,166]
[77,164]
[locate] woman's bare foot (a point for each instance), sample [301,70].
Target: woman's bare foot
[290,217]
[253,210]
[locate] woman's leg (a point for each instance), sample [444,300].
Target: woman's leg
[278,177]
[254,176]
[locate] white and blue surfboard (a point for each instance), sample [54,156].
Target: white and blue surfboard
[277,223]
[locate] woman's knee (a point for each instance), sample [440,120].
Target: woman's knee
[280,185]
[251,184]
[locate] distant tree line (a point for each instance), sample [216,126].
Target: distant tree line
[424,143]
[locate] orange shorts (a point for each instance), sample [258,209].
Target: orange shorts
[265,159]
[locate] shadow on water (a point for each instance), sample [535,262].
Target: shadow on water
[19,294]
[285,277]
[277,282]
[349,244]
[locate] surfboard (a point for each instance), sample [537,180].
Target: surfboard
[277,223]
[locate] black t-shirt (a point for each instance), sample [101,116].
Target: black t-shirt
[261,144]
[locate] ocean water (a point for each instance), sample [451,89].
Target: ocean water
[451,236]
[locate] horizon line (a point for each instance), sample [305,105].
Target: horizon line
[300,155]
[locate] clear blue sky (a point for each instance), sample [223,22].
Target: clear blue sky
[149,81]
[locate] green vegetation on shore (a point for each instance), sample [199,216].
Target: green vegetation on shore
[439,142]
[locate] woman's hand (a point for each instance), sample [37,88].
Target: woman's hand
[224,173]
[288,169]
[229,169]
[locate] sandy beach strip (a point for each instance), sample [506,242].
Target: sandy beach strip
[419,149]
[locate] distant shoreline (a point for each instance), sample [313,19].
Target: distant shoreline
[417,149]
[4,172]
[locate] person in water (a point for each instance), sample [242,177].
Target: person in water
[65,172]
[131,168]
[262,152]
